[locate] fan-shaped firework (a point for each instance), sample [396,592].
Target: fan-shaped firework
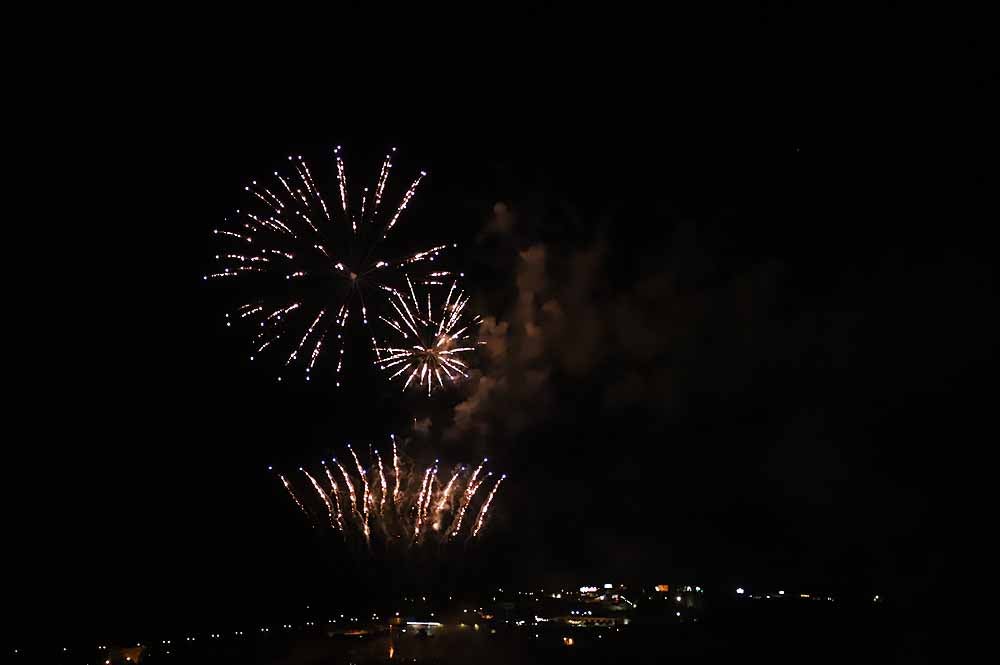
[312,258]
[427,347]
[397,503]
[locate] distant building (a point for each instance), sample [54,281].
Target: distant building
[591,621]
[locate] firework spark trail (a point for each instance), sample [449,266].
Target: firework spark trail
[295,353]
[470,491]
[272,197]
[395,466]
[315,352]
[234,235]
[406,199]
[424,255]
[314,189]
[298,503]
[366,494]
[457,526]
[282,311]
[327,262]
[302,176]
[475,474]
[266,344]
[342,180]
[447,301]
[270,205]
[284,182]
[430,492]
[335,491]
[251,312]
[381,475]
[365,499]
[382,177]
[447,490]
[322,495]
[413,295]
[420,502]
[350,487]
[486,506]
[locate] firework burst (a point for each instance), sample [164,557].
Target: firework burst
[316,258]
[428,506]
[428,351]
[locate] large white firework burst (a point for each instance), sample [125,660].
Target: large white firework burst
[312,256]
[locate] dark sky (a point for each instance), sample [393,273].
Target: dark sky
[737,317]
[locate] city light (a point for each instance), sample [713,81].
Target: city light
[603,616]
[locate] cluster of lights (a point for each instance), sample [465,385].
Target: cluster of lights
[518,623]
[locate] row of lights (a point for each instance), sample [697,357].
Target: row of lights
[741,591]
[238,633]
[375,616]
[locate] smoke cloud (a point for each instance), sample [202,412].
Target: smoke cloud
[575,316]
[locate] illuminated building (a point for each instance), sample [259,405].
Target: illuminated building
[424,628]
[591,621]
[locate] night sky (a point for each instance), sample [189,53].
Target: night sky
[736,323]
